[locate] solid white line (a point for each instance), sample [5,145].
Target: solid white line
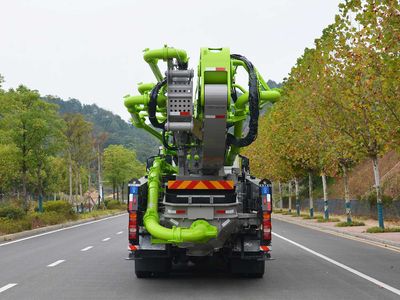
[87,248]
[56,263]
[106,239]
[119,232]
[8,286]
[340,265]
[58,230]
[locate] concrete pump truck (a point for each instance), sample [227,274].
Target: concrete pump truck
[198,200]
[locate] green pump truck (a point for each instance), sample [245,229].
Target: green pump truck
[198,200]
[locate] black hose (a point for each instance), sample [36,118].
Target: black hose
[153,104]
[253,106]
[165,142]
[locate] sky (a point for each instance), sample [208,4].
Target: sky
[91,50]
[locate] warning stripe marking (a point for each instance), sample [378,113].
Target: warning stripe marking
[200,185]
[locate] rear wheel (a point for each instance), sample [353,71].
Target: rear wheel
[152,267]
[247,268]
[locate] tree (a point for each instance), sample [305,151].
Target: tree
[35,129]
[78,133]
[120,165]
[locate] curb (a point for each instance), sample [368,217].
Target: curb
[383,242]
[27,233]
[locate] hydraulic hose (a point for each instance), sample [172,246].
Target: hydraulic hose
[253,99]
[199,232]
[153,104]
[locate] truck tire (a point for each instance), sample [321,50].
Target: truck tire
[152,267]
[247,268]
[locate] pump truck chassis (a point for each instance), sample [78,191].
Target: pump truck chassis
[198,199]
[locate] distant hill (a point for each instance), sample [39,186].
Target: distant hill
[272,84]
[119,131]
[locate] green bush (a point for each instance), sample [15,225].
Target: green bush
[380,230]
[114,204]
[60,207]
[8,226]
[322,220]
[11,212]
[347,224]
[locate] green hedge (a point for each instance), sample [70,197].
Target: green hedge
[11,212]
[60,207]
[114,204]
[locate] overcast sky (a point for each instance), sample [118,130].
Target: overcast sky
[91,50]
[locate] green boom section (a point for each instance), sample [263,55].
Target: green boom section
[199,232]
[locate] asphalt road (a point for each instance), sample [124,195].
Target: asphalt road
[88,262]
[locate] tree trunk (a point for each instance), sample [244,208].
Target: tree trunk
[80,184]
[310,194]
[290,197]
[347,194]
[296,186]
[89,178]
[122,191]
[99,171]
[378,191]
[24,169]
[117,192]
[70,176]
[280,194]
[76,187]
[113,190]
[325,190]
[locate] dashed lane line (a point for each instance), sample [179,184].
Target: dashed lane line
[106,239]
[119,232]
[56,263]
[8,286]
[86,248]
[340,265]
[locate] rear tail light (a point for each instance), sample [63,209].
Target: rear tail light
[132,226]
[176,211]
[267,226]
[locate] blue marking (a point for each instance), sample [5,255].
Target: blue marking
[133,190]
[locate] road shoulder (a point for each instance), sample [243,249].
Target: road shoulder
[36,231]
[341,231]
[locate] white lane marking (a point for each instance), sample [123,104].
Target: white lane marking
[340,265]
[58,230]
[119,232]
[56,263]
[106,239]
[8,286]
[86,248]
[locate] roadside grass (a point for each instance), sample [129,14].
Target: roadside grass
[349,224]
[14,219]
[287,213]
[98,213]
[322,220]
[315,217]
[377,229]
[278,211]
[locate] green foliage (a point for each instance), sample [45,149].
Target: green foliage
[8,226]
[118,131]
[322,220]
[349,224]
[381,230]
[11,212]
[121,165]
[115,204]
[59,207]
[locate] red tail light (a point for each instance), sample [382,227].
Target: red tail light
[267,227]
[132,226]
